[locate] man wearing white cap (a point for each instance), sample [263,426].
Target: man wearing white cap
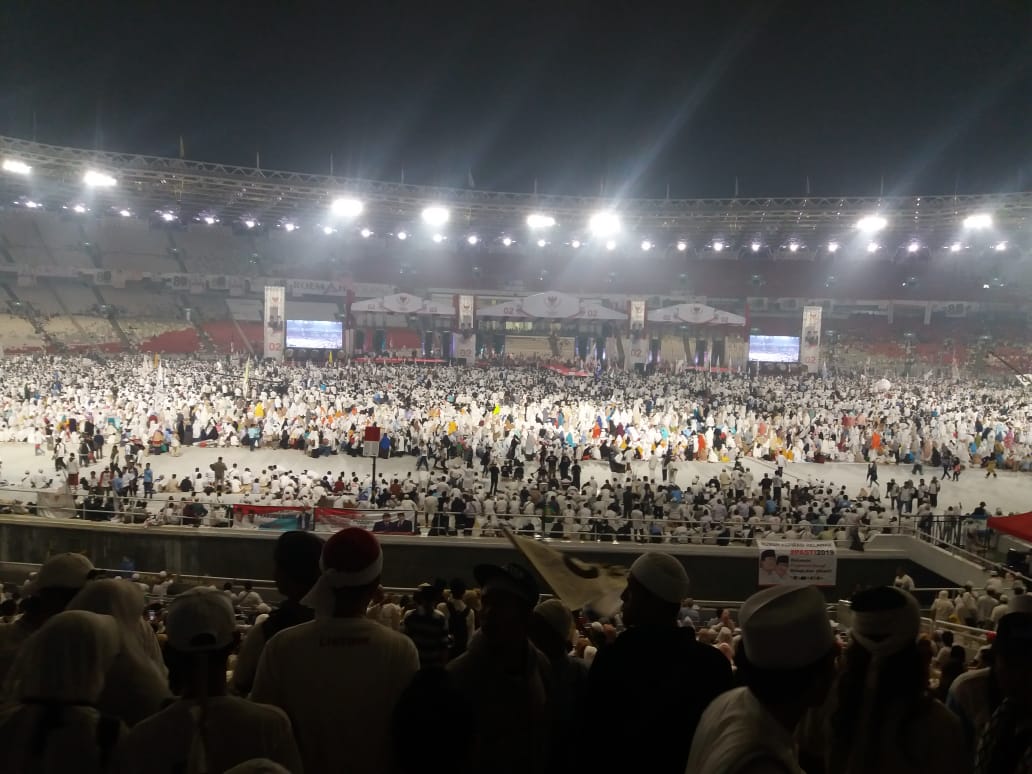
[787,661]
[655,664]
[339,676]
[58,580]
[206,730]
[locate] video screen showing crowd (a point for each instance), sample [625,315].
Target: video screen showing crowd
[611,457]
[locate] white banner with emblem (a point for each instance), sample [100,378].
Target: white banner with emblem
[637,314]
[465,312]
[275,322]
[810,343]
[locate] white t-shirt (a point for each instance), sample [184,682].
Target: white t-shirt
[72,746]
[237,731]
[338,679]
[736,734]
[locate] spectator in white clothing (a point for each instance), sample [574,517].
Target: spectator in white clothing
[205,729]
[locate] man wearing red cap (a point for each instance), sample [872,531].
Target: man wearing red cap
[339,677]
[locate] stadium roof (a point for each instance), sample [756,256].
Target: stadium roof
[148,184]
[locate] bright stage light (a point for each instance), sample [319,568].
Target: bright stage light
[366,233]
[538,220]
[436,216]
[472,239]
[250,223]
[79,209]
[16,167]
[327,230]
[956,247]
[755,247]
[211,220]
[402,235]
[288,227]
[541,243]
[833,247]
[95,179]
[1000,247]
[682,246]
[32,205]
[125,213]
[611,244]
[604,224]
[646,245]
[575,244]
[438,238]
[978,221]
[793,247]
[507,241]
[718,246]
[913,247]
[347,208]
[872,247]
[168,217]
[871,224]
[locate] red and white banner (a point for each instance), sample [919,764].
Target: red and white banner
[810,342]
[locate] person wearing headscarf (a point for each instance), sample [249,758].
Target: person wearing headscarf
[137,683]
[883,717]
[53,724]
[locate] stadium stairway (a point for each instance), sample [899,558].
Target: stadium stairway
[126,341]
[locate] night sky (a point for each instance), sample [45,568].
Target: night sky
[931,96]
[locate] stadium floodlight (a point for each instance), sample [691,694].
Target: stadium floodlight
[978,221]
[211,220]
[755,247]
[646,245]
[507,241]
[872,247]
[871,224]
[793,247]
[541,243]
[956,247]
[1000,247]
[125,213]
[718,246]
[95,179]
[833,247]
[436,216]
[438,238]
[682,246]
[604,224]
[16,167]
[347,207]
[913,247]
[250,222]
[575,244]
[611,244]
[366,233]
[32,205]
[168,217]
[402,235]
[537,220]
[327,230]
[79,209]
[472,240]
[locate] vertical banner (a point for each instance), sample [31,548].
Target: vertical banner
[275,307]
[637,314]
[810,345]
[465,306]
[464,347]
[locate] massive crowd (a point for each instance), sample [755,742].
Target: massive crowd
[104,674]
[602,457]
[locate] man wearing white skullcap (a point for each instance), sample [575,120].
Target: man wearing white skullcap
[658,665]
[339,677]
[787,661]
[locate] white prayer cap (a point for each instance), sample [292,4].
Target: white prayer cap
[785,627]
[662,575]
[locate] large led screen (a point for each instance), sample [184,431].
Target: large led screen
[314,334]
[767,349]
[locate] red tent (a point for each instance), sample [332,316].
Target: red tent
[1019,525]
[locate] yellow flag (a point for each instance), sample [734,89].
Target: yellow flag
[331,355]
